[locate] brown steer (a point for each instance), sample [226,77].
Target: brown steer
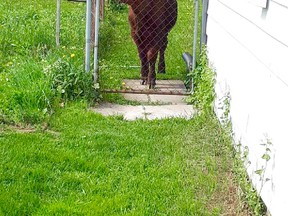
[151,21]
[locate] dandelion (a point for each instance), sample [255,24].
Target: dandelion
[72,55]
[9,64]
[123,83]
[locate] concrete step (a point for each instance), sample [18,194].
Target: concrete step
[154,106]
[148,112]
[159,95]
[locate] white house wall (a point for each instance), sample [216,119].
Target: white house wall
[248,47]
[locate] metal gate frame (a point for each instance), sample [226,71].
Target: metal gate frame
[92,8]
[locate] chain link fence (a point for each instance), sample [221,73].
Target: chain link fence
[144,41]
[141,40]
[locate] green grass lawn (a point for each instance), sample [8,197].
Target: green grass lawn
[86,164]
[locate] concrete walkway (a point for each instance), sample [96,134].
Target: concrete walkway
[154,106]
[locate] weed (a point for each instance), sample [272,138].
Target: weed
[35,75]
[203,94]
[251,198]
[69,82]
[115,5]
[248,193]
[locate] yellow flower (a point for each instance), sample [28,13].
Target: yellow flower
[72,55]
[123,83]
[9,63]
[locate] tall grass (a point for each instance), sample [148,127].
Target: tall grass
[25,91]
[27,51]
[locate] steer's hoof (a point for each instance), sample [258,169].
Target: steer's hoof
[143,82]
[161,71]
[152,86]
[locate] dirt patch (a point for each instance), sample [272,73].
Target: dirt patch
[230,197]
[28,129]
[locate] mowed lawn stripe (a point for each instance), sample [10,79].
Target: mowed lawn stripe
[89,164]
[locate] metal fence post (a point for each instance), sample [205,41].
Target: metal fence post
[88,35]
[96,40]
[204,23]
[58,13]
[195,39]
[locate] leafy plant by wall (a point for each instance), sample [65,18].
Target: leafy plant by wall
[246,191]
[203,78]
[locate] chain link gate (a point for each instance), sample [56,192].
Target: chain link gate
[126,50]
[131,39]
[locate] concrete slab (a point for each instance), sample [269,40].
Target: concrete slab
[169,111]
[127,111]
[161,86]
[167,99]
[159,95]
[156,99]
[146,112]
[164,104]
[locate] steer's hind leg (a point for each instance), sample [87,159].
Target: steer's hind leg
[152,57]
[161,64]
